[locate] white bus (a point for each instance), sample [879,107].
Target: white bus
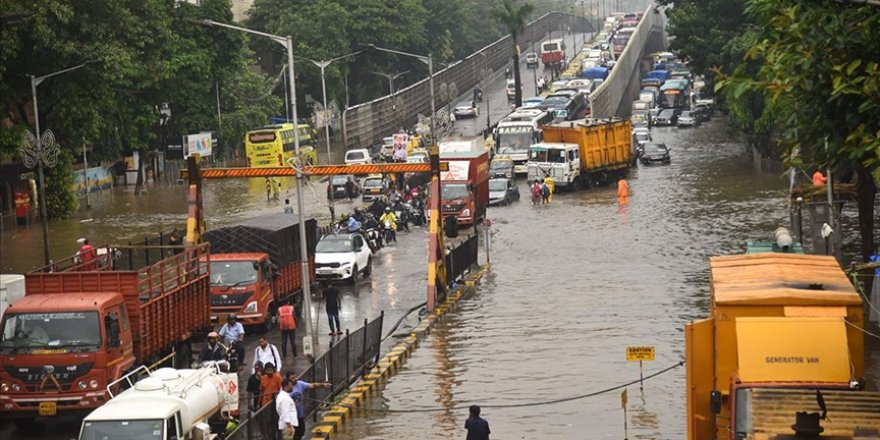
[519,131]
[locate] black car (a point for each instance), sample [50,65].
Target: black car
[501,168]
[703,112]
[666,117]
[339,187]
[651,153]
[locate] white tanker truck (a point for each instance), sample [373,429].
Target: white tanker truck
[166,404]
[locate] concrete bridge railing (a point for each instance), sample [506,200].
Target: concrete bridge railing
[615,96]
[365,124]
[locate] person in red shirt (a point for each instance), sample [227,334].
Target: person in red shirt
[819,179]
[88,256]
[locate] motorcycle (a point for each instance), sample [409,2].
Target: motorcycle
[415,214]
[402,215]
[478,95]
[390,234]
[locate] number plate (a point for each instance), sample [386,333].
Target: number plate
[48,408]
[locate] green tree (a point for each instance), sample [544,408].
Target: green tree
[61,201]
[819,68]
[514,20]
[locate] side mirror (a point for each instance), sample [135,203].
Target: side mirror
[715,402]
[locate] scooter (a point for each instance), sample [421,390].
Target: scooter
[402,215]
[478,95]
[390,234]
[414,214]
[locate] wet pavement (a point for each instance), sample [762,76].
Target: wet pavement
[572,285]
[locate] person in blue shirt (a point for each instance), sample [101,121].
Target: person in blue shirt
[233,336]
[353,224]
[298,394]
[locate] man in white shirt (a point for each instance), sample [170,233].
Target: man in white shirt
[287,419]
[267,353]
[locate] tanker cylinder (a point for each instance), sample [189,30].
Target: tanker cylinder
[783,238]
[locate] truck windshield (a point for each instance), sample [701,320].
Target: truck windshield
[517,141]
[78,331]
[452,191]
[232,273]
[122,430]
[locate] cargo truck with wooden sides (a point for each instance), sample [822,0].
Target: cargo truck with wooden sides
[255,267]
[781,355]
[82,326]
[582,153]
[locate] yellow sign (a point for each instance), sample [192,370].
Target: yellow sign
[636,354]
[48,409]
[798,349]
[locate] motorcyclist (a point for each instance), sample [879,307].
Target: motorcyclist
[377,207]
[353,225]
[399,207]
[214,350]
[391,219]
[478,94]
[358,215]
[232,334]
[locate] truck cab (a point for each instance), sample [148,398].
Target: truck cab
[59,351]
[241,283]
[464,188]
[559,161]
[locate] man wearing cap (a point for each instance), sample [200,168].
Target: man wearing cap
[233,335]
[213,351]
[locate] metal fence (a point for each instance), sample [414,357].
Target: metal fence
[460,259]
[614,96]
[342,365]
[366,124]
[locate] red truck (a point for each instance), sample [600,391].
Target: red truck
[81,326]
[464,189]
[255,266]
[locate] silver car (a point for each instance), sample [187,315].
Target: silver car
[688,119]
[467,110]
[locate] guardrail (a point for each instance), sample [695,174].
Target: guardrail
[614,96]
[366,124]
[342,365]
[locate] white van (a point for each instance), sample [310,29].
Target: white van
[360,156]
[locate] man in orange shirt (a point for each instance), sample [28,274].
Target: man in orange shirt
[270,384]
[819,179]
[87,256]
[622,190]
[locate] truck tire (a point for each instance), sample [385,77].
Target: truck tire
[576,184]
[183,356]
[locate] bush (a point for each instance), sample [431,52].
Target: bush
[61,201]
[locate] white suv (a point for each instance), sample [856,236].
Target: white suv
[360,156]
[343,257]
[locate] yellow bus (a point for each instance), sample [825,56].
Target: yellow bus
[273,145]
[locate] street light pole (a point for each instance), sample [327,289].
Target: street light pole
[310,340]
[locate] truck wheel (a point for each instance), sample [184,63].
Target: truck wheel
[576,185]
[354,275]
[369,269]
[183,358]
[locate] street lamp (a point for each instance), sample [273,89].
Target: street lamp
[429,60]
[322,65]
[311,338]
[41,151]
[390,77]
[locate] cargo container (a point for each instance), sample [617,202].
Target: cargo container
[78,330]
[464,188]
[583,153]
[782,337]
[255,266]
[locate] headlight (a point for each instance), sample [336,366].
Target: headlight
[82,385]
[93,383]
[466,212]
[16,387]
[4,387]
[346,263]
[251,307]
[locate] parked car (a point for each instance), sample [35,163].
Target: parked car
[343,257]
[532,102]
[502,191]
[374,186]
[688,119]
[501,166]
[359,156]
[652,153]
[531,59]
[466,110]
[337,184]
[703,112]
[666,117]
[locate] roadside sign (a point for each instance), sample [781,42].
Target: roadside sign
[638,354]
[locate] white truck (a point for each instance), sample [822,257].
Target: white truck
[11,290]
[462,145]
[166,404]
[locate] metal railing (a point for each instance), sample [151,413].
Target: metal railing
[462,258]
[365,124]
[342,365]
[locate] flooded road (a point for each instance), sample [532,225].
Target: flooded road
[572,285]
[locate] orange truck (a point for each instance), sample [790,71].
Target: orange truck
[255,266]
[781,354]
[464,187]
[82,326]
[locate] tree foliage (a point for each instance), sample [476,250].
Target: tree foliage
[514,20]
[61,202]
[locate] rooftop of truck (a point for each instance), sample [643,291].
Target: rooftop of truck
[61,302]
[780,279]
[586,122]
[463,155]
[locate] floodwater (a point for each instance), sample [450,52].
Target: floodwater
[572,285]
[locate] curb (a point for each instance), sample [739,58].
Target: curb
[356,400]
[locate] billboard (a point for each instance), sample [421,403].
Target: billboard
[200,144]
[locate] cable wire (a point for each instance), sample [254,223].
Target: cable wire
[399,321]
[861,329]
